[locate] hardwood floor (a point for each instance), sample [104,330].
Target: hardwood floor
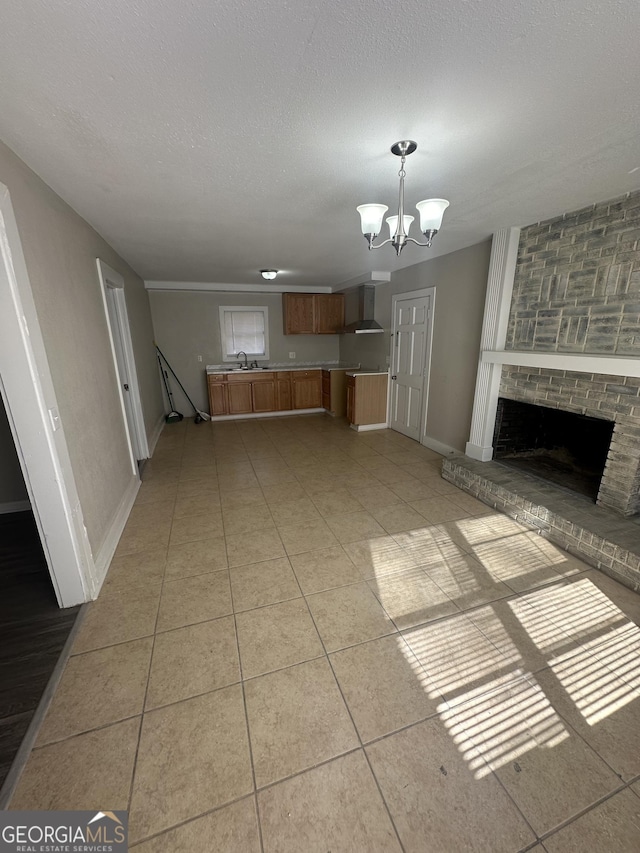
[33,630]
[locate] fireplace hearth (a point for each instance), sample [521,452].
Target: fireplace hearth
[562,447]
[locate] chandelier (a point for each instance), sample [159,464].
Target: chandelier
[431,211]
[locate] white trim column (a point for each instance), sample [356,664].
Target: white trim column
[28,392]
[502,267]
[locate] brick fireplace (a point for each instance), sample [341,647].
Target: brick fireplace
[611,398]
[562,331]
[566,448]
[576,289]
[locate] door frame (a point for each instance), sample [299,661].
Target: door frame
[29,397]
[112,290]
[426,367]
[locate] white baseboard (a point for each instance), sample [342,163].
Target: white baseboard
[14,506]
[155,435]
[439,446]
[107,549]
[253,415]
[367,427]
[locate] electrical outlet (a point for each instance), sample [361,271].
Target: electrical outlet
[388,360]
[292,355]
[199,358]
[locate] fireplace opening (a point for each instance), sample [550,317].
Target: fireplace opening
[562,447]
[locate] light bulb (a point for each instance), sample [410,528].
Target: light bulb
[268,274]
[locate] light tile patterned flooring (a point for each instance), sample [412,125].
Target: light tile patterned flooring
[309,641]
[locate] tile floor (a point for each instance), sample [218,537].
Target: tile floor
[309,641]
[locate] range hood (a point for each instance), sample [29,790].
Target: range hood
[365,325]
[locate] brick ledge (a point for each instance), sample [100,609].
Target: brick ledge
[598,536]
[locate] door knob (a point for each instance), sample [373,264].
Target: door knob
[394,377]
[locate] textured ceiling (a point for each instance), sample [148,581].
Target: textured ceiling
[205,140]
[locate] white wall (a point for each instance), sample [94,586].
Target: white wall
[12,487]
[187,325]
[460,280]
[60,250]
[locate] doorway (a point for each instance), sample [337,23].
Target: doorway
[122,349]
[410,361]
[33,628]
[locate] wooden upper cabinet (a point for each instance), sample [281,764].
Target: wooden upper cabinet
[329,313]
[298,313]
[313,313]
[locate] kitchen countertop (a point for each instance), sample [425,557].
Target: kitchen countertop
[367,372]
[218,368]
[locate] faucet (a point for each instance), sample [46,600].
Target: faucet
[254,364]
[246,365]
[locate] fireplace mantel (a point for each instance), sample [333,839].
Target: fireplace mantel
[611,365]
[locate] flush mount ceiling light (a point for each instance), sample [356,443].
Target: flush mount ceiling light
[268,274]
[431,211]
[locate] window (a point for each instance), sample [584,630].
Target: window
[244,330]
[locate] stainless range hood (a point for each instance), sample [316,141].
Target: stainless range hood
[365,325]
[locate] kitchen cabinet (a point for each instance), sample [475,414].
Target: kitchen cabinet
[313,313]
[251,392]
[263,395]
[329,313]
[271,391]
[367,398]
[218,401]
[334,392]
[306,386]
[283,392]
[240,398]
[298,313]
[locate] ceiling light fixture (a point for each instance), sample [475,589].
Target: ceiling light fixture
[431,211]
[269,274]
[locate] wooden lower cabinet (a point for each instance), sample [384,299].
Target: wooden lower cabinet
[218,400]
[240,398]
[307,389]
[283,392]
[351,394]
[367,398]
[264,396]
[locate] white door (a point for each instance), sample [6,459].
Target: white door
[409,364]
[122,348]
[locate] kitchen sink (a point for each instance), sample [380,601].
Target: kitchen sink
[244,369]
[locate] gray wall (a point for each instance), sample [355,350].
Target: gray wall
[12,487]
[460,280]
[61,250]
[187,325]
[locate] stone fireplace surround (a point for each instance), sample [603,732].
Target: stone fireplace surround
[567,336]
